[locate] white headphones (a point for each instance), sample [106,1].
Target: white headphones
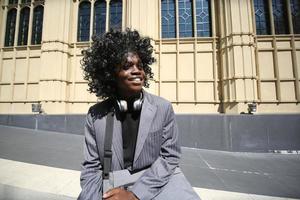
[137,104]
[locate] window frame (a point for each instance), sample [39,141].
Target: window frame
[34,27]
[194,23]
[119,12]
[11,30]
[23,30]
[288,20]
[87,27]
[25,39]
[101,23]
[92,18]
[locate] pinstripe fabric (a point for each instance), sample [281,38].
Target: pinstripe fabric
[157,148]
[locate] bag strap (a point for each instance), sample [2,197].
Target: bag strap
[107,145]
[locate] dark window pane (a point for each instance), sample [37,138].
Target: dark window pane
[99,17]
[185,18]
[295,10]
[262,17]
[10,27]
[115,15]
[83,33]
[168,19]
[37,26]
[280,16]
[26,1]
[12,1]
[23,26]
[203,18]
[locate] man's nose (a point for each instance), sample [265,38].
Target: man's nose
[135,69]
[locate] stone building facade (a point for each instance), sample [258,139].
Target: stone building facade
[213,56]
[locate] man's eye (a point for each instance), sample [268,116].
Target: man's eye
[140,66]
[126,66]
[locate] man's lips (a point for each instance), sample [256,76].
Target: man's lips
[137,80]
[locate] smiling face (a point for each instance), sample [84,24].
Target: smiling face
[130,76]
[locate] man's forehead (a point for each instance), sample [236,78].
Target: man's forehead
[130,57]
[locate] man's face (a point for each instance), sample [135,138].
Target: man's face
[130,76]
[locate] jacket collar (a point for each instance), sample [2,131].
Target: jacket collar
[147,114]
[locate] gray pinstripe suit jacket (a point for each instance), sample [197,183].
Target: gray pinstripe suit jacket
[157,148]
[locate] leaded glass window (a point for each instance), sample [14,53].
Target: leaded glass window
[168,19]
[262,17]
[23,26]
[280,16]
[10,27]
[295,10]
[203,18]
[12,1]
[115,15]
[37,26]
[99,17]
[83,33]
[185,18]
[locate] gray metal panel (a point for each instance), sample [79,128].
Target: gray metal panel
[52,123]
[202,131]
[75,124]
[4,119]
[24,121]
[248,133]
[254,133]
[282,130]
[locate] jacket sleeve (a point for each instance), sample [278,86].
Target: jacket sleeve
[91,173]
[152,181]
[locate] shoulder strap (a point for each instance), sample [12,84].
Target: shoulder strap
[107,145]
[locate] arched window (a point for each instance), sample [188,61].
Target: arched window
[83,32]
[99,17]
[10,27]
[262,20]
[168,24]
[23,26]
[37,25]
[185,18]
[295,10]
[280,16]
[203,19]
[115,15]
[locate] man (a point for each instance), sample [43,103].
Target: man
[145,135]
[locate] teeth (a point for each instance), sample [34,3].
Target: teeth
[136,79]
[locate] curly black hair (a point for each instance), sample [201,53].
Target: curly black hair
[107,52]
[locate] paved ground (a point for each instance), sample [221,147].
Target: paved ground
[45,165]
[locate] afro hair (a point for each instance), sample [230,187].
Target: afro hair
[107,52]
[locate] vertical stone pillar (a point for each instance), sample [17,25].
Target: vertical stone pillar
[54,56]
[143,16]
[237,55]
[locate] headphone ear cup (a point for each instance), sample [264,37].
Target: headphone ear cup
[122,105]
[137,105]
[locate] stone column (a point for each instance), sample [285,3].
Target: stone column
[54,56]
[237,55]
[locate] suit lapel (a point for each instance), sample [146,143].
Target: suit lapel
[118,141]
[147,115]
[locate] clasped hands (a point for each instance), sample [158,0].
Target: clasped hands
[119,194]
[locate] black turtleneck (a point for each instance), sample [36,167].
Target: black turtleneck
[130,125]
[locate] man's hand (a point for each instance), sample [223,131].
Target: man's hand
[119,194]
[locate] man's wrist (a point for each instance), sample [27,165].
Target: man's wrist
[134,197]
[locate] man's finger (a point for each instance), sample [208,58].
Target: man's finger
[110,193]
